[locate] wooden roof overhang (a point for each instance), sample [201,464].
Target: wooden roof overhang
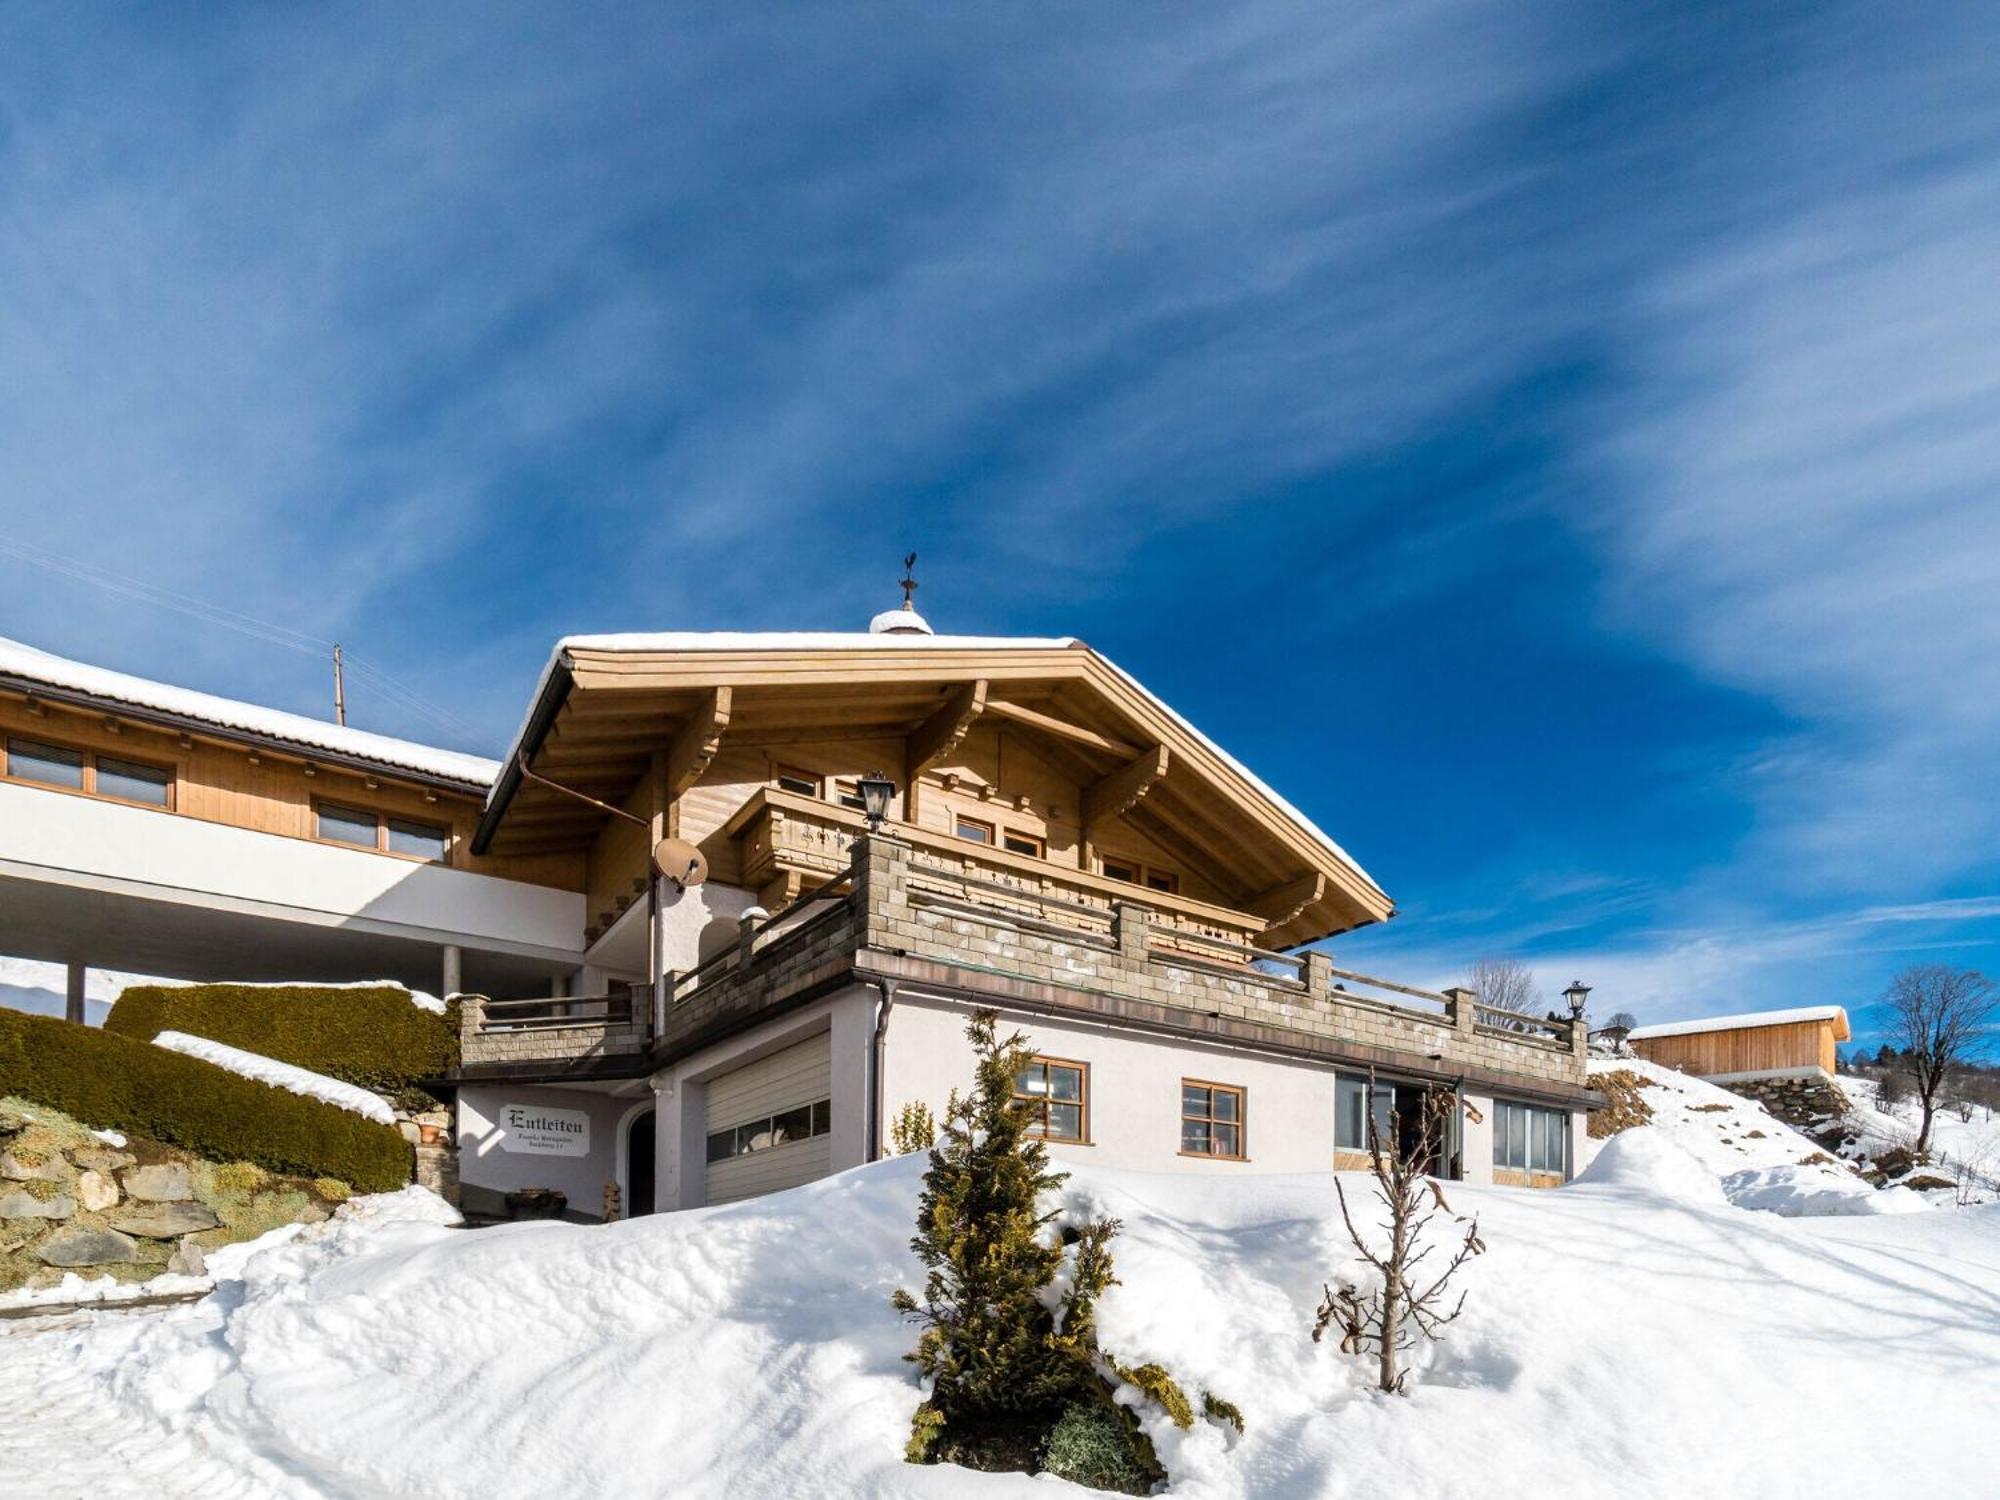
[603,713]
[206,731]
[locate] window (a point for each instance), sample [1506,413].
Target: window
[420,840]
[1163,880]
[1057,1096]
[367,830]
[781,1129]
[101,775]
[847,792]
[48,764]
[1530,1138]
[347,825]
[797,782]
[1024,843]
[129,781]
[1211,1119]
[1118,869]
[1350,1111]
[973,829]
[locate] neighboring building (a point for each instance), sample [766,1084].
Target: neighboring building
[1769,1044]
[700,976]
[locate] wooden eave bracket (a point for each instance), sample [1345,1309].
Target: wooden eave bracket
[1282,904]
[694,746]
[1121,791]
[941,733]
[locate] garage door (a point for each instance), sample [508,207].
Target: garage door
[768,1123]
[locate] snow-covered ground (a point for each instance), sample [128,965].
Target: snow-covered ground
[280,1075]
[1762,1162]
[1634,1334]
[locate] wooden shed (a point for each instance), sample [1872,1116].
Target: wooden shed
[1763,1044]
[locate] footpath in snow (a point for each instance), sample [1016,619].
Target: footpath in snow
[1634,1334]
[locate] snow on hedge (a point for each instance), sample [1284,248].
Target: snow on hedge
[1633,1335]
[279,1075]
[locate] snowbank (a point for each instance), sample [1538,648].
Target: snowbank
[279,1075]
[1628,1335]
[1801,1191]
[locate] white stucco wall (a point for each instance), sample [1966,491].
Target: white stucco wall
[1135,1084]
[485,1163]
[88,844]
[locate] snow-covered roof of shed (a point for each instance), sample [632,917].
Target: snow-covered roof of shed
[28,664]
[1741,1022]
[848,640]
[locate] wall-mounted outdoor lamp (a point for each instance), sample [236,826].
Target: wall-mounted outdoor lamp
[876,790]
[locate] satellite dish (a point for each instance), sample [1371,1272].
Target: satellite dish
[679,861]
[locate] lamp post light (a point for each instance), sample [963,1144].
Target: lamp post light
[1577,993]
[876,790]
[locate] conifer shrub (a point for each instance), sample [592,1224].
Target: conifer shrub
[914,1129]
[117,1083]
[1218,1410]
[373,1036]
[1009,1343]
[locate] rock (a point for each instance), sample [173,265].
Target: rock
[167,1183]
[165,1221]
[22,1204]
[87,1247]
[97,1191]
[102,1159]
[26,1168]
[12,1122]
[1924,1182]
[187,1260]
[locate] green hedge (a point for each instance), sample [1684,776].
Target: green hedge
[116,1083]
[373,1037]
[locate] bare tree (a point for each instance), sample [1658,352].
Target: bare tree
[1380,1321]
[1507,984]
[1939,1013]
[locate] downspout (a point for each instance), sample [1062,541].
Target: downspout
[874,1087]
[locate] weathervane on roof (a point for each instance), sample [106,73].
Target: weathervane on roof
[904,621]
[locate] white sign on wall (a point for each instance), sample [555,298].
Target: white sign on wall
[537,1130]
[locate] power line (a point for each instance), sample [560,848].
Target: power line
[230,619]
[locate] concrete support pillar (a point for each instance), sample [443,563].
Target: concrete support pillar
[454,970]
[1464,1010]
[1131,924]
[73,1007]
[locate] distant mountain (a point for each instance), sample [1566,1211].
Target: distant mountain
[40,1002]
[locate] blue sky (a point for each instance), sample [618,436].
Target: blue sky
[1555,444]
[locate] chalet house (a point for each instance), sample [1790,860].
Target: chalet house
[1799,1043]
[723,908]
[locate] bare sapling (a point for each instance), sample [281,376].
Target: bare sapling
[1413,1301]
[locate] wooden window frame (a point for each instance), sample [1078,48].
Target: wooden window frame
[87,786]
[1241,1122]
[1172,878]
[991,841]
[382,821]
[1137,877]
[1041,1101]
[1038,846]
[782,773]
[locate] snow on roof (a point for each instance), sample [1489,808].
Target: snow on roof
[22,661]
[847,640]
[1740,1022]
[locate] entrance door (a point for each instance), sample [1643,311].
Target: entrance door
[640,1139]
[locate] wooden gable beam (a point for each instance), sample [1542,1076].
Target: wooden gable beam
[1061,729]
[938,736]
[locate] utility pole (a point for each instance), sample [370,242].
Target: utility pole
[339,688]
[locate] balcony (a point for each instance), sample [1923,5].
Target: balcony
[978,923]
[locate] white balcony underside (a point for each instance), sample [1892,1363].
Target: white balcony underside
[132,888]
